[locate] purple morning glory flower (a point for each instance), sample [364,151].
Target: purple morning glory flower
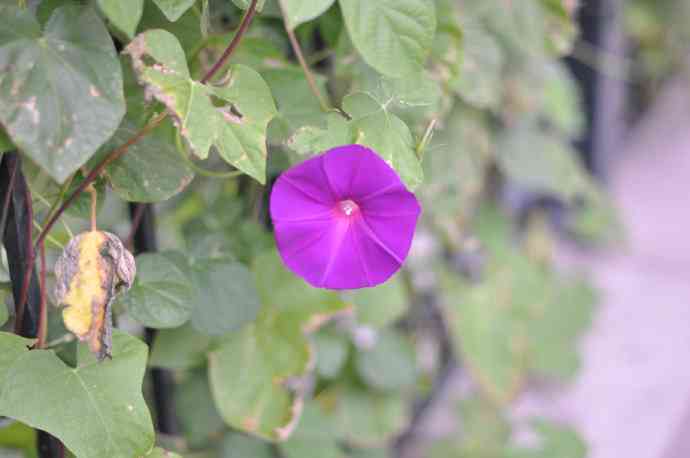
[343,219]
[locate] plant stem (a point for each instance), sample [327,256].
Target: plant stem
[94,205]
[244,25]
[424,142]
[300,57]
[43,309]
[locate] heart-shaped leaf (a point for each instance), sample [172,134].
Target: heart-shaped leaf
[60,88]
[161,296]
[393,36]
[255,374]
[95,409]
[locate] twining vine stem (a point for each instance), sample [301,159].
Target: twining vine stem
[300,57]
[43,310]
[120,151]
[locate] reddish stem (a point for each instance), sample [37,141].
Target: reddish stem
[244,25]
[43,311]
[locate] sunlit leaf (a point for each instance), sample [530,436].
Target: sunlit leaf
[174,9]
[385,133]
[393,36]
[301,11]
[124,14]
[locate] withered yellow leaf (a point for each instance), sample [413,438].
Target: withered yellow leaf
[92,269]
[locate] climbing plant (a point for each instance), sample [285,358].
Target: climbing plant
[150,312]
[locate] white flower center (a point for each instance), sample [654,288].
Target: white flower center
[348,207]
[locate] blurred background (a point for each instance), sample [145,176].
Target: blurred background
[622,95]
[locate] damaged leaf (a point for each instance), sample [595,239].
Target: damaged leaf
[231,116]
[92,269]
[258,374]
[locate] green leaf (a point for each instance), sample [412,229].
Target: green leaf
[382,305]
[17,435]
[244,4]
[232,116]
[162,293]
[255,373]
[179,348]
[480,79]
[415,98]
[224,295]
[124,14]
[301,11]
[4,313]
[237,445]
[95,409]
[5,142]
[542,162]
[197,414]
[562,106]
[311,139]
[61,88]
[174,9]
[521,319]
[389,364]
[485,432]
[162,453]
[457,163]
[297,106]
[555,441]
[331,353]
[151,171]
[374,126]
[187,28]
[315,436]
[393,36]
[369,419]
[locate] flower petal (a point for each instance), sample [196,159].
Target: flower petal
[355,172]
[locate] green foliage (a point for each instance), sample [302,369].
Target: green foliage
[466,100]
[501,323]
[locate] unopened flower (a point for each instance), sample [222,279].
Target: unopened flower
[343,219]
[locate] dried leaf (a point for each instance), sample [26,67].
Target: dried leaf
[93,268]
